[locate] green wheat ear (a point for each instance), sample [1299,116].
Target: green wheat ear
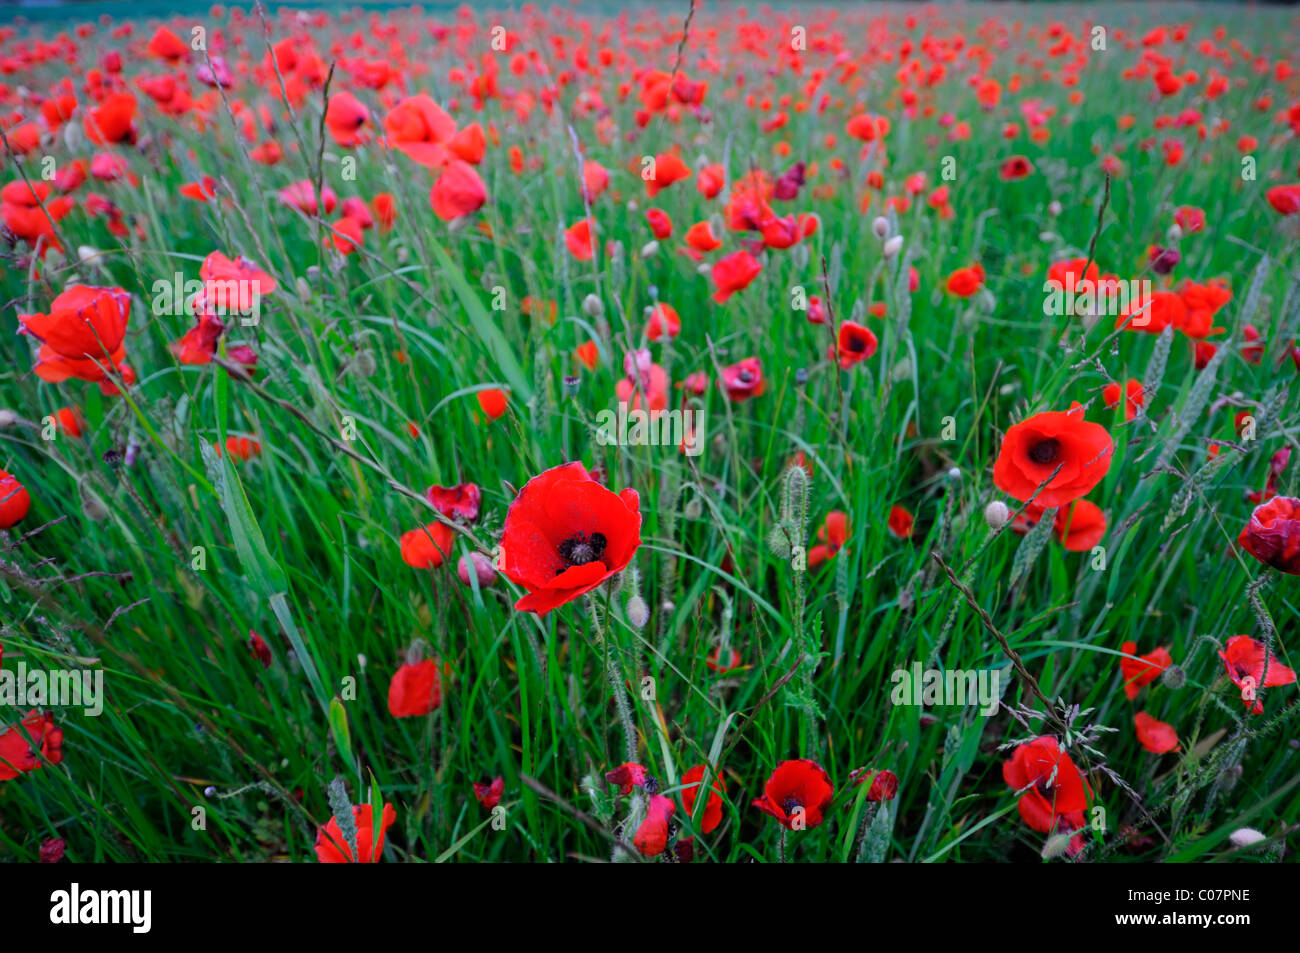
[342,808]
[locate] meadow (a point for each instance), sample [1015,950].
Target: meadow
[469,436]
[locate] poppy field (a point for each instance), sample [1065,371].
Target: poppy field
[694,432]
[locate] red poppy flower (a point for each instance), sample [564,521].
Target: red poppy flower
[459,191]
[385,210]
[664,322]
[1034,448]
[1285,199]
[1080,525]
[344,118]
[492,401]
[855,343]
[700,237]
[565,534]
[588,353]
[301,195]
[166,45]
[1190,219]
[964,282]
[469,144]
[456,502]
[652,836]
[1243,657]
[833,533]
[241,449]
[113,120]
[734,272]
[82,334]
[231,285]
[1272,535]
[1153,313]
[1017,167]
[414,690]
[578,239]
[1143,669]
[258,648]
[14,501]
[661,226]
[743,380]
[668,168]
[710,181]
[332,847]
[884,786]
[691,781]
[627,775]
[900,522]
[421,129]
[797,794]
[1052,785]
[1201,304]
[1156,736]
[70,421]
[714,662]
[17,754]
[427,547]
[1110,394]
[489,792]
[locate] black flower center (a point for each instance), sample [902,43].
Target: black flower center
[857,345]
[1045,451]
[790,805]
[580,549]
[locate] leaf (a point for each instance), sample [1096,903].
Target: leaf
[484,326]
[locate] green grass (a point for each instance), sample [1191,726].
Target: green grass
[307,553]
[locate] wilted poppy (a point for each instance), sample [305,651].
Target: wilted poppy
[652,836]
[489,792]
[456,502]
[1154,735]
[1272,534]
[427,547]
[414,690]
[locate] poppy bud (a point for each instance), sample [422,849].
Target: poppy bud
[592,306]
[480,565]
[649,249]
[638,613]
[1174,233]
[778,541]
[1245,837]
[954,474]
[1054,208]
[892,247]
[7,419]
[1174,677]
[693,508]
[365,364]
[996,515]
[880,227]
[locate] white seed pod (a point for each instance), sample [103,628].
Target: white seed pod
[649,249]
[1245,837]
[892,247]
[880,227]
[592,306]
[996,515]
